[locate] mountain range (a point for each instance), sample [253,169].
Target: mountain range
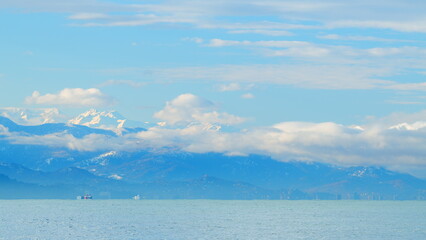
[107,120]
[44,171]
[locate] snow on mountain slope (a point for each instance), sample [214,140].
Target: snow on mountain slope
[35,116]
[93,118]
[110,120]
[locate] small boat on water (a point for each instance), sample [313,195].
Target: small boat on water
[85,197]
[137,197]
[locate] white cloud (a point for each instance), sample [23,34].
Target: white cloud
[313,66]
[74,97]
[188,108]
[320,75]
[384,52]
[194,39]
[258,26]
[400,145]
[396,118]
[235,87]
[307,49]
[405,102]
[273,44]
[122,82]
[360,38]
[247,96]
[403,25]
[324,142]
[91,142]
[409,86]
[88,16]
[336,71]
[263,32]
[63,6]
[137,20]
[398,15]
[311,51]
[230,87]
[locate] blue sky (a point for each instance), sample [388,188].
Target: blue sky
[312,61]
[267,62]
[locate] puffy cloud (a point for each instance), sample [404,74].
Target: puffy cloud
[75,97]
[188,108]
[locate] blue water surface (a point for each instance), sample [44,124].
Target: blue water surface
[211,219]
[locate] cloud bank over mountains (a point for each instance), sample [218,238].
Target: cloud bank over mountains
[193,124]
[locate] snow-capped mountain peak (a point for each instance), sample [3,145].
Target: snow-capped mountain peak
[96,119]
[107,120]
[110,120]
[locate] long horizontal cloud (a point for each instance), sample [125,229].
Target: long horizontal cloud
[398,146]
[397,15]
[375,68]
[322,76]
[308,49]
[326,142]
[360,14]
[75,97]
[325,65]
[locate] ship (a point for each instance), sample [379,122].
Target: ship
[137,197]
[85,197]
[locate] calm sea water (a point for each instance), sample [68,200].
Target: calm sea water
[205,219]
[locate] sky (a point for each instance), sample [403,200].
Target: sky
[315,71]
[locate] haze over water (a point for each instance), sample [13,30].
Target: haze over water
[207,219]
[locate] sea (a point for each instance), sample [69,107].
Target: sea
[211,219]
